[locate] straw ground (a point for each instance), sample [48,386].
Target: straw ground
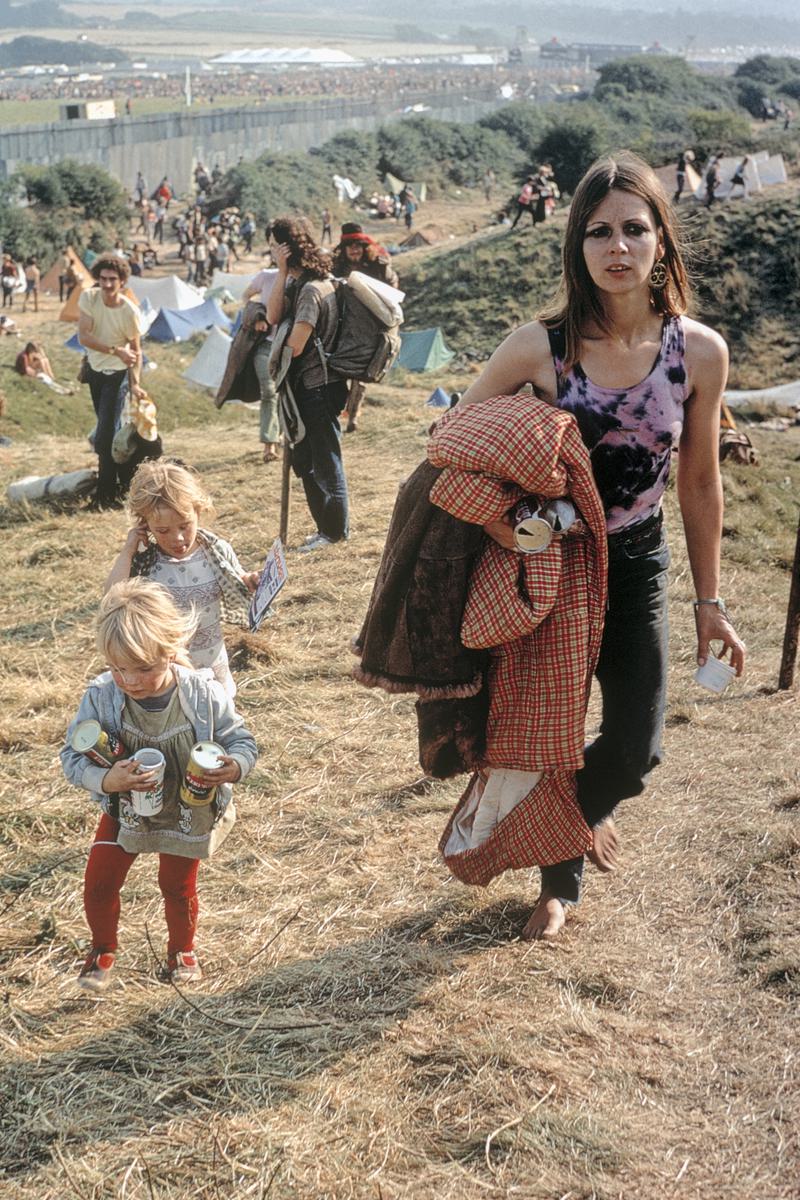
[367,1028]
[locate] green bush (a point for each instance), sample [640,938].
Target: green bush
[719,132]
[573,141]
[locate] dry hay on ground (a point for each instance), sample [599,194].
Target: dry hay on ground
[368,1028]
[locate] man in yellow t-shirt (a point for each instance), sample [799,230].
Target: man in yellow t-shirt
[108,329]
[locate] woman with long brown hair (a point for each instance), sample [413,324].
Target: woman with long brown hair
[304,293]
[617,351]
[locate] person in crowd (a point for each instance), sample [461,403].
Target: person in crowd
[257,344]
[108,329]
[739,179]
[304,297]
[489,181]
[526,201]
[151,696]
[326,227]
[713,180]
[68,276]
[247,231]
[140,188]
[357,251]
[200,570]
[9,278]
[32,279]
[684,158]
[32,363]
[201,256]
[616,350]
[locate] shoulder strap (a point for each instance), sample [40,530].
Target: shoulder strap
[556,336]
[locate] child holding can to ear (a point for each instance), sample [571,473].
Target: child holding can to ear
[152,698]
[199,569]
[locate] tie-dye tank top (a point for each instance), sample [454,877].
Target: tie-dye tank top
[629,432]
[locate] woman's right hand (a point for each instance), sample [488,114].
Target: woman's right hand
[502,531]
[125,776]
[260,326]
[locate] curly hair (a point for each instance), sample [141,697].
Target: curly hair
[305,254]
[111,262]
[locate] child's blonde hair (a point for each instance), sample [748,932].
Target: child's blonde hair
[138,622]
[165,484]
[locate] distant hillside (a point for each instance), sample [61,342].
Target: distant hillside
[746,267]
[41,14]
[36,51]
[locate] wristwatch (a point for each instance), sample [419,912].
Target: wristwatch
[717,603]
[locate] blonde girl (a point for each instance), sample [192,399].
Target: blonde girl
[199,569]
[151,697]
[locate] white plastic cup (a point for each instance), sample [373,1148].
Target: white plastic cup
[715,674]
[147,804]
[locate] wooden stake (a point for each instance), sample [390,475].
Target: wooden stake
[286,493]
[786,676]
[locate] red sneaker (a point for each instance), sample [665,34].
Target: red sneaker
[183,967]
[95,973]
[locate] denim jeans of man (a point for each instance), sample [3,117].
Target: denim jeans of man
[106,392]
[632,674]
[317,459]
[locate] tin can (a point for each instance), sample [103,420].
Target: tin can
[204,757]
[535,524]
[150,802]
[102,748]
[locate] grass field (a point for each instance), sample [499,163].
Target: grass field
[368,1028]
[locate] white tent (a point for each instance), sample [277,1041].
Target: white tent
[785,394]
[727,168]
[237,285]
[772,170]
[319,56]
[208,365]
[167,292]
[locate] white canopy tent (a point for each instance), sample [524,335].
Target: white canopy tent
[167,292]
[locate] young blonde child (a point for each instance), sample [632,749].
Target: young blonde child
[151,697]
[199,569]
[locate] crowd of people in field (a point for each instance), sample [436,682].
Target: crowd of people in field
[526,555]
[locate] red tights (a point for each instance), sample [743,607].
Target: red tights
[106,871]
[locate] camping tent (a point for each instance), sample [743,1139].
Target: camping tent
[49,281]
[395,186]
[428,235]
[208,365]
[423,350]
[785,394]
[167,292]
[172,325]
[237,285]
[668,177]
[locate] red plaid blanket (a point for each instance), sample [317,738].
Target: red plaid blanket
[544,636]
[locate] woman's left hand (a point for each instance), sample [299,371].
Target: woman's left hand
[250,580]
[714,626]
[229,772]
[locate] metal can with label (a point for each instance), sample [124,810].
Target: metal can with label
[102,748]
[205,756]
[535,524]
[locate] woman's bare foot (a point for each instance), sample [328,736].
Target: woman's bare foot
[546,921]
[605,846]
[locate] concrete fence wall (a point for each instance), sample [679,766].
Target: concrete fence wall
[171,143]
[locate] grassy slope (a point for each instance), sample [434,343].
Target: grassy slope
[745,260]
[397,1040]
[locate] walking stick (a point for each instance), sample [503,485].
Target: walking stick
[790,639]
[286,494]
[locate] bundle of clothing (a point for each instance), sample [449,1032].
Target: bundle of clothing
[500,647]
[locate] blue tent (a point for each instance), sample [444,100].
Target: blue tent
[173,325]
[423,350]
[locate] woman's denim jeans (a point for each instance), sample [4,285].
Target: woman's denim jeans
[632,673]
[317,459]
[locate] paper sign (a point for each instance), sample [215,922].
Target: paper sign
[273,577]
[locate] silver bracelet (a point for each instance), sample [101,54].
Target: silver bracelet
[716,601]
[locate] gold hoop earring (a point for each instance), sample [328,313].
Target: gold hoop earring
[659,276]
